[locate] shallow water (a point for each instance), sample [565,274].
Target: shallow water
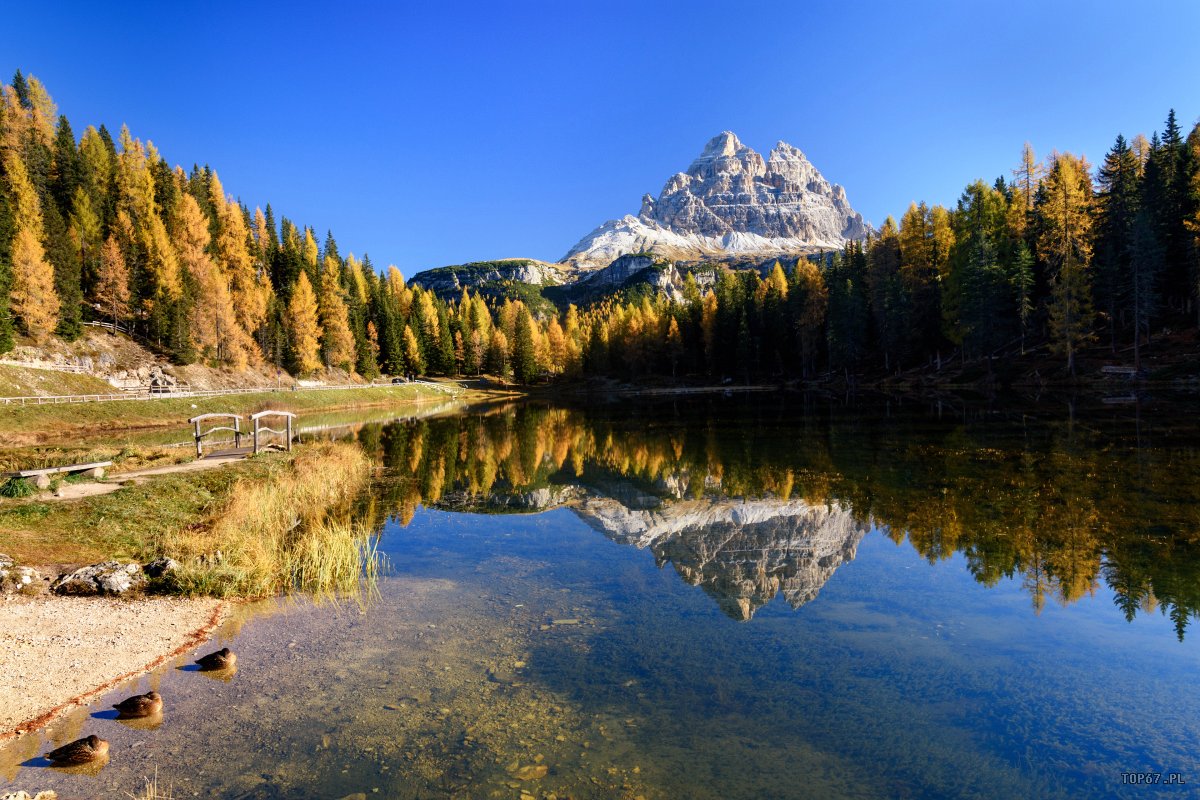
[719,600]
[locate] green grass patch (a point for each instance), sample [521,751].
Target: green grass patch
[98,421]
[17,487]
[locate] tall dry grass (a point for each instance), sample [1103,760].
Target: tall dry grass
[288,530]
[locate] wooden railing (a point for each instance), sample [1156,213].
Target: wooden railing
[78,369]
[110,327]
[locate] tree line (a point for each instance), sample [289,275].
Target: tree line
[1054,256]
[104,229]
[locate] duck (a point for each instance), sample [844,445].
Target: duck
[80,751]
[140,705]
[222,659]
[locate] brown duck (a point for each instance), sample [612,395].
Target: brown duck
[140,705]
[222,659]
[80,751]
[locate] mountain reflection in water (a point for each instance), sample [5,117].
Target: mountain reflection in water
[751,501]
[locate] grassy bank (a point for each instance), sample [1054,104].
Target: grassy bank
[17,381]
[270,535]
[250,529]
[36,423]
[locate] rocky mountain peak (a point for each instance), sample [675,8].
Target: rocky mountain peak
[731,201]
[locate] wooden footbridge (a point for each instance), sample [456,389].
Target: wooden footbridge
[260,434]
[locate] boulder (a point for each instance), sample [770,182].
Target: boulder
[108,577]
[15,579]
[42,481]
[160,566]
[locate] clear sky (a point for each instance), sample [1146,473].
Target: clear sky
[441,132]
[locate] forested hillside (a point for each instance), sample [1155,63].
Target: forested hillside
[1057,257]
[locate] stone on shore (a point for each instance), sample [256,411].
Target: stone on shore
[108,577]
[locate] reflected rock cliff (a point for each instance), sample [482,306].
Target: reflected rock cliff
[741,552]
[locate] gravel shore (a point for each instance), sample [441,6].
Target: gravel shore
[58,651]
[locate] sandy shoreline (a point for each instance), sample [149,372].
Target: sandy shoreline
[56,652]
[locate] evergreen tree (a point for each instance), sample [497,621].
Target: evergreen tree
[1145,264]
[849,310]
[1117,206]
[524,357]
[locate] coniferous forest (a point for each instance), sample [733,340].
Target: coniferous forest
[1055,259]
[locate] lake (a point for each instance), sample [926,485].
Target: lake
[723,597]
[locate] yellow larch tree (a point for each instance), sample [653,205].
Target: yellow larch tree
[1065,241]
[249,287]
[309,250]
[337,342]
[395,280]
[34,301]
[13,120]
[112,281]
[358,281]
[304,327]
[212,322]
[43,113]
[414,362]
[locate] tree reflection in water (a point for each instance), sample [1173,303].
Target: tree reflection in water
[753,499]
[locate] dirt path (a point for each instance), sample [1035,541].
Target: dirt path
[75,491]
[56,652]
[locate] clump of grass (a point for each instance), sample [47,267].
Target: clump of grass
[333,558]
[17,487]
[152,790]
[279,533]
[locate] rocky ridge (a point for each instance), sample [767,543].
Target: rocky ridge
[452,279]
[731,201]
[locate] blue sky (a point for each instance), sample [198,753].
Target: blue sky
[436,133]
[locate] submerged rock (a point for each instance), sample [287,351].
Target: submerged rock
[108,577]
[531,772]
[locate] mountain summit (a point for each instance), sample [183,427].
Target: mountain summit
[731,202]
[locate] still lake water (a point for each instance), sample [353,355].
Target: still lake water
[724,598]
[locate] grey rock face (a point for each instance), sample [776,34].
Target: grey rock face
[731,201]
[108,577]
[447,280]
